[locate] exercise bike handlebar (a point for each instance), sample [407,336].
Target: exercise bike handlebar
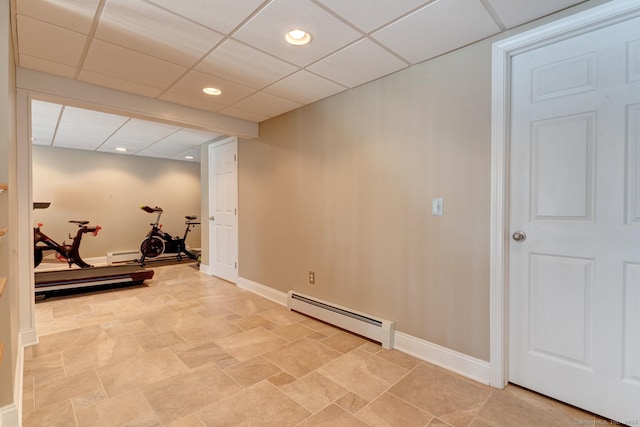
[149,209]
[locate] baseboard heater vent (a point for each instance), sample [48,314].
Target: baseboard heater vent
[362,324]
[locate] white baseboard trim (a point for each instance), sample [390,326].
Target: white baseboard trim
[262,290]
[11,415]
[470,367]
[29,337]
[454,361]
[206,269]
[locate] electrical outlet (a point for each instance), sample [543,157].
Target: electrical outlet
[312,277]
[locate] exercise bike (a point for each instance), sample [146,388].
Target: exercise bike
[69,253]
[159,242]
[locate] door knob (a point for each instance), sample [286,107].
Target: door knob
[519,236]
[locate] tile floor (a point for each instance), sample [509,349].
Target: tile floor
[192,350]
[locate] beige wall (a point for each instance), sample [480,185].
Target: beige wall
[343,187]
[9,302]
[108,189]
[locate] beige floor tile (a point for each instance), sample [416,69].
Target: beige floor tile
[344,342]
[66,388]
[314,391]
[43,365]
[252,371]
[188,421]
[208,331]
[250,322]
[100,353]
[363,373]
[56,326]
[130,409]
[67,310]
[77,337]
[200,355]
[441,393]
[248,344]
[352,402]
[388,410]
[503,408]
[302,356]
[398,357]
[261,405]
[190,392]
[152,341]
[332,415]
[148,368]
[60,414]
[126,328]
[282,316]
[281,379]
[293,331]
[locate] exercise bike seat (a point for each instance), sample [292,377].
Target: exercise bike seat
[79,222]
[191,217]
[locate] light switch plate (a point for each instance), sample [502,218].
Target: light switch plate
[437,206]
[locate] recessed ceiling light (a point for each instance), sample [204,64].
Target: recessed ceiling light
[121,149]
[298,37]
[212,91]
[188,157]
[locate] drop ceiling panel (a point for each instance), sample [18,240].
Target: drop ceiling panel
[119,84]
[266,105]
[143,27]
[372,14]
[76,15]
[516,12]
[244,115]
[304,87]
[124,64]
[219,15]
[49,42]
[191,85]
[438,28]
[239,63]
[34,63]
[44,121]
[267,29]
[194,153]
[137,134]
[358,63]
[189,138]
[201,104]
[86,129]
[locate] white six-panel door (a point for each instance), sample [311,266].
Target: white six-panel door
[223,210]
[574,281]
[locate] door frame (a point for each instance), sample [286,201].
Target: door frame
[502,53]
[208,268]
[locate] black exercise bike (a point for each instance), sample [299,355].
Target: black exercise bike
[159,242]
[69,253]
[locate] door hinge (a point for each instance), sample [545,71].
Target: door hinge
[236,267]
[235,211]
[235,159]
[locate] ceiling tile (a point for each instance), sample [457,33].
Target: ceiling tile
[137,134]
[237,62]
[191,85]
[44,119]
[267,29]
[202,104]
[76,15]
[268,105]
[189,138]
[438,28]
[194,153]
[114,83]
[79,128]
[244,115]
[220,15]
[359,63]
[144,27]
[516,12]
[124,64]
[370,15]
[304,87]
[49,42]
[45,66]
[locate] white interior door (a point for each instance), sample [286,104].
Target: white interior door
[223,209]
[574,282]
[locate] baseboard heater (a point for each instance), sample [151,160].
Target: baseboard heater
[359,323]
